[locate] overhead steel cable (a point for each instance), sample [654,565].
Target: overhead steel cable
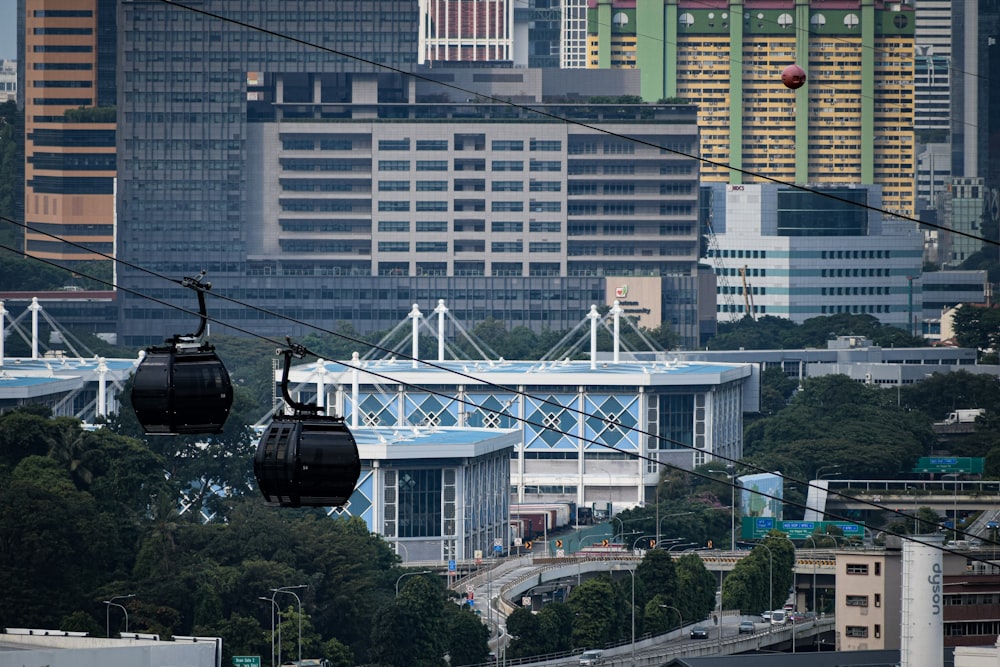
[514,391]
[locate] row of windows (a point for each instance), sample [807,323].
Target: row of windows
[496,246]
[62,48]
[442,226]
[739,254]
[862,568]
[861,631]
[859,291]
[857,254]
[855,309]
[63,66]
[856,273]
[442,145]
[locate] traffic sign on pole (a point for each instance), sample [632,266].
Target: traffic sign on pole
[246,661]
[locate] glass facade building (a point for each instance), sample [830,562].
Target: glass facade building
[324,188]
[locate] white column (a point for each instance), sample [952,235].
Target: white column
[616,311]
[594,318]
[355,408]
[414,315]
[440,311]
[102,388]
[34,308]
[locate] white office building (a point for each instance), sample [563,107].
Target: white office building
[788,252]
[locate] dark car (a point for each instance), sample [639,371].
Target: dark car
[747,627]
[699,632]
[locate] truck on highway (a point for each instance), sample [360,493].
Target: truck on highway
[963,416]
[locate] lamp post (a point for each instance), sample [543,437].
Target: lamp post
[820,470]
[290,591]
[622,523]
[680,619]
[107,612]
[732,487]
[273,605]
[631,571]
[408,574]
[770,579]
[914,508]
[954,511]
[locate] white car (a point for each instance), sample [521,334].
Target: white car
[592,657]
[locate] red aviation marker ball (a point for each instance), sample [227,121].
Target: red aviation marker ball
[793,77]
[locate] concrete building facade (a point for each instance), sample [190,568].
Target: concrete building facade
[851,123]
[68,84]
[781,256]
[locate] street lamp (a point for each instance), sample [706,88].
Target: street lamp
[820,470]
[732,487]
[632,572]
[954,512]
[408,574]
[107,612]
[770,579]
[680,619]
[289,590]
[273,605]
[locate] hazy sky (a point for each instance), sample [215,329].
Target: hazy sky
[8,29]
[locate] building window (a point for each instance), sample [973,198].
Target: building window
[394,144]
[432,186]
[393,165]
[432,144]
[543,246]
[508,186]
[878,569]
[878,631]
[857,600]
[419,503]
[856,631]
[432,225]
[394,206]
[507,246]
[878,599]
[539,145]
[393,246]
[432,206]
[394,186]
[393,226]
[857,568]
[508,165]
[508,145]
[499,226]
[432,165]
[506,206]
[432,246]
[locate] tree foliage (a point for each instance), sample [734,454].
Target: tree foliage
[771,332]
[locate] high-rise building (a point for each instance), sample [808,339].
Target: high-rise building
[789,253]
[466,31]
[851,123]
[68,91]
[331,189]
[8,80]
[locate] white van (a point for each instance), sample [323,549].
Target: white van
[591,657]
[779,617]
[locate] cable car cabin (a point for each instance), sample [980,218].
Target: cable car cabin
[179,390]
[307,461]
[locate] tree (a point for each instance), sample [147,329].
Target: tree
[977,326]
[466,638]
[594,607]
[410,630]
[695,594]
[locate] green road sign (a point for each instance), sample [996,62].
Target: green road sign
[246,661]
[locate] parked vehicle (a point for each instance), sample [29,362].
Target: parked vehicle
[699,632]
[591,657]
[747,627]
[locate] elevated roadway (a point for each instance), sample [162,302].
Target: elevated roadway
[509,583]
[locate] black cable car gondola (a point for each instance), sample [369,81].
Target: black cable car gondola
[306,459]
[183,387]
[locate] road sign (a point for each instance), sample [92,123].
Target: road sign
[497,542]
[246,661]
[498,548]
[452,565]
